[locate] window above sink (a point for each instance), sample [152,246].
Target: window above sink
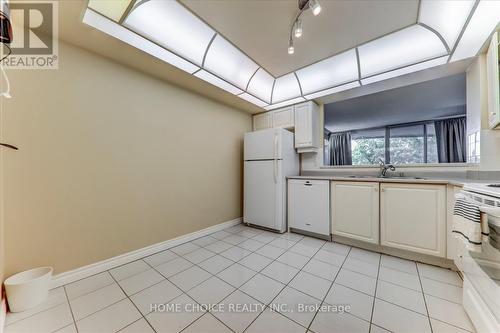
[420,124]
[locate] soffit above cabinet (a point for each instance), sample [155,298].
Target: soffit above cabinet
[387,39]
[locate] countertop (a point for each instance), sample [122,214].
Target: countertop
[424,180]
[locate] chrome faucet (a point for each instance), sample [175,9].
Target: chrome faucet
[384,167]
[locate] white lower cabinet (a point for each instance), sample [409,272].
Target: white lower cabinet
[309,205]
[413,217]
[355,210]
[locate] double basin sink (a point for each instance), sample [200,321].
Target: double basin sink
[384,177]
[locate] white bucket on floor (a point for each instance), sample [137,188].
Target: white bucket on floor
[28,289]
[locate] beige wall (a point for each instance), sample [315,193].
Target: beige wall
[112,160]
[477,115]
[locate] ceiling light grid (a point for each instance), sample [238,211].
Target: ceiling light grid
[445,31]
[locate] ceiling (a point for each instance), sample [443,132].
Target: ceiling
[261,28]
[423,101]
[73,30]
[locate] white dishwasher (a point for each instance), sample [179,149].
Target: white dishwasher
[309,206]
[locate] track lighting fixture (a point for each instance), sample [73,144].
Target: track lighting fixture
[315,7]
[296,28]
[291,49]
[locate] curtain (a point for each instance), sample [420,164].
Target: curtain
[450,137]
[340,148]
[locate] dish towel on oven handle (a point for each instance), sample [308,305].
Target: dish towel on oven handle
[469,224]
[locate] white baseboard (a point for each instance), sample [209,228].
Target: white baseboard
[101,266]
[3,311]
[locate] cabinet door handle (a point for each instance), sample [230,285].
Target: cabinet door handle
[308,224]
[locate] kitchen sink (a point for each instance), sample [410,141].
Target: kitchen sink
[387,177]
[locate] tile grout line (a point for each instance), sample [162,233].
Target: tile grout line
[116,282]
[310,258]
[425,301]
[215,275]
[132,323]
[375,294]
[328,291]
[266,306]
[70,309]
[235,288]
[257,272]
[285,285]
[211,275]
[135,306]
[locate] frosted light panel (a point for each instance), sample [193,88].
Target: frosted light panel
[261,85]
[406,70]
[333,90]
[111,28]
[225,60]
[285,87]
[253,100]
[483,22]
[172,26]
[399,49]
[447,17]
[285,103]
[330,72]
[204,75]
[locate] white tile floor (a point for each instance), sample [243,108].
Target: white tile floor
[257,281]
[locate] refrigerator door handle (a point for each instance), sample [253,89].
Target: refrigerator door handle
[275,144]
[275,171]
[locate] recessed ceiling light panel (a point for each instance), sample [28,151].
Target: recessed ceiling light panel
[253,100]
[111,28]
[285,103]
[330,72]
[227,61]
[334,90]
[446,17]
[483,22]
[261,85]
[402,48]
[406,70]
[210,78]
[285,87]
[172,26]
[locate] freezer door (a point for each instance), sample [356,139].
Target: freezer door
[260,193]
[263,145]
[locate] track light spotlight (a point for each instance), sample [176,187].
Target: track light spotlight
[298,28]
[315,7]
[291,49]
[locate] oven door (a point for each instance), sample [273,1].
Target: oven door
[482,269]
[493,216]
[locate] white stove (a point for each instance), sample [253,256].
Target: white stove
[481,270]
[492,189]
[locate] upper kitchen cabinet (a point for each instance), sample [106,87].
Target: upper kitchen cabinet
[306,127]
[262,121]
[284,117]
[413,218]
[493,75]
[302,118]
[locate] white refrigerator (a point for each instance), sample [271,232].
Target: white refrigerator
[269,157]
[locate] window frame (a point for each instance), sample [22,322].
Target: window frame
[387,145]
